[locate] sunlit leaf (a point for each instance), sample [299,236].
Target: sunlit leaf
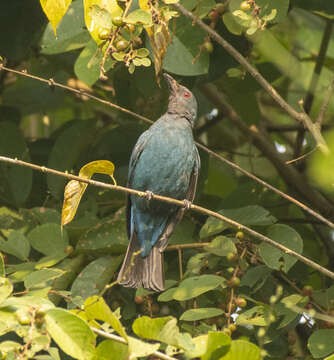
[55,10]
[200,313]
[75,189]
[71,333]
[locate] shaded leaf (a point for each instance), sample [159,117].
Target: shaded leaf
[218,344]
[40,277]
[275,258]
[16,244]
[320,343]
[48,239]
[221,246]
[71,32]
[95,276]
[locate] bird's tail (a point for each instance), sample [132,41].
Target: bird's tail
[137,271]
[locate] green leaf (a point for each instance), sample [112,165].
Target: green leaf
[197,285]
[218,344]
[87,65]
[95,276]
[48,261]
[108,237]
[275,258]
[250,215]
[255,277]
[138,348]
[167,295]
[78,135]
[17,245]
[181,56]
[321,165]
[6,289]
[48,239]
[242,349]
[15,181]
[282,309]
[233,26]
[320,343]
[139,17]
[256,316]
[71,32]
[148,328]
[200,314]
[107,347]
[55,10]
[96,309]
[2,266]
[221,246]
[71,333]
[40,277]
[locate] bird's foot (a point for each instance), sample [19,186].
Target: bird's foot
[149,195]
[187,204]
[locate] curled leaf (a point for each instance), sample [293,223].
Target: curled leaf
[75,189]
[55,10]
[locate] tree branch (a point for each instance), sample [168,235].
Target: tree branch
[123,341]
[179,203]
[236,167]
[291,176]
[301,117]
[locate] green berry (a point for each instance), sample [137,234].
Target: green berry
[117,21]
[240,302]
[208,47]
[104,34]
[122,45]
[234,281]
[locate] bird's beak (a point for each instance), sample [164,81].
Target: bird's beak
[172,83]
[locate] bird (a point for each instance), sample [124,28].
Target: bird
[164,161]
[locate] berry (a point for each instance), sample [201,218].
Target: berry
[69,249]
[234,281]
[208,47]
[307,290]
[245,6]
[213,15]
[240,235]
[220,8]
[232,257]
[240,302]
[232,327]
[104,34]
[117,21]
[139,299]
[122,45]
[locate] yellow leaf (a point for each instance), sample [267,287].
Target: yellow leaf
[99,15]
[55,10]
[158,33]
[75,189]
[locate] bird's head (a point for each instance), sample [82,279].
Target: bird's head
[181,100]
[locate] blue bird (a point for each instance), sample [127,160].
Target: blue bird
[164,161]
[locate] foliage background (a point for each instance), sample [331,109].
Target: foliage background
[45,269]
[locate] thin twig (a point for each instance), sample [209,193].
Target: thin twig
[301,117]
[301,157]
[53,83]
[180,203]
[123,341]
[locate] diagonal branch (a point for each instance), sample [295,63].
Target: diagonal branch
[301,117]
[236,167]
[179,203]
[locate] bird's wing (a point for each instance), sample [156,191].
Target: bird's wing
[136,152]
[176,217]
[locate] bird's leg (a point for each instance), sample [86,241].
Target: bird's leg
[149,195]
[187,204]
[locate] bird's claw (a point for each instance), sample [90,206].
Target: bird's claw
[187,204]
[149,195]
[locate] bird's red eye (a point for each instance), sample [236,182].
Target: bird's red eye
[187,94]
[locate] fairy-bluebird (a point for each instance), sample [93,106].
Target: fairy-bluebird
[164,161]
